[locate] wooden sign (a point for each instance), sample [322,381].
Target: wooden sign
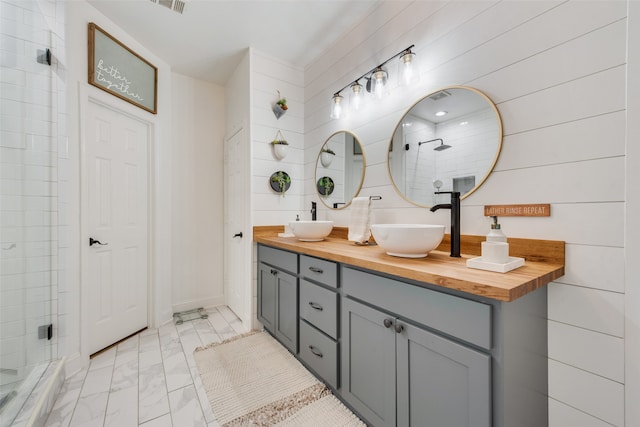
[518,210]
[116,69]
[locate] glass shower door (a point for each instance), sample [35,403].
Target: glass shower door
[28,202]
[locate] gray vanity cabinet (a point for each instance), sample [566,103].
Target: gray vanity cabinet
[267,295]
[405,353]
[396,373]
[369,362]
[278,294]
[319,317]
[441,381]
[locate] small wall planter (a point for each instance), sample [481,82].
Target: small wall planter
[279,107]
[326,157]
[280,182]
[325,186]
[280,146]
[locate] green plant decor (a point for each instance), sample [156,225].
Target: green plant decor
[282,180]
[326,184]
[328,150]
[282,102]
[279,139]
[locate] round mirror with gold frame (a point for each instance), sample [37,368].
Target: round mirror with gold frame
[449,140]
[340,169]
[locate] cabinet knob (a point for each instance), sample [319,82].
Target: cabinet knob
[315,351]
[399,328]
[274,272]
[315,306]
[387,323]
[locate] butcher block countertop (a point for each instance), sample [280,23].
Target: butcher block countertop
[544,262]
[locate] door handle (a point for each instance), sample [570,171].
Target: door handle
[238,235]
[93,241]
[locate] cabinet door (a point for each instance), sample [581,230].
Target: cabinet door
[369,363]
[287,310]
[267,296]
[441,383]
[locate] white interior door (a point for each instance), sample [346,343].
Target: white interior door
[116,208]
[237,235]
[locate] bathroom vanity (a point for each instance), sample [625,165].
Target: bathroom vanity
[414,341]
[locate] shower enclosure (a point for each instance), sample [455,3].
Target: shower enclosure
[28,200]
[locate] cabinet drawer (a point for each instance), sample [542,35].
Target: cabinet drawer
[320,270]
[284,260]
[319,306]
[462,318]
[320,353]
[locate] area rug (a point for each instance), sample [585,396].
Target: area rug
[253,380]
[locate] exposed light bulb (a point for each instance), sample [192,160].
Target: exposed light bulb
[378,82]
[356,96]
[336,106]
[408,73]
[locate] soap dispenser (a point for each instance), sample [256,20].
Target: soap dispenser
[496,234]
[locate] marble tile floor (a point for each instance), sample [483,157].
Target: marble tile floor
[149,380]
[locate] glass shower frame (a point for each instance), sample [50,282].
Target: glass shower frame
[28,200]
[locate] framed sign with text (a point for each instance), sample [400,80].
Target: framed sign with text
[116,69]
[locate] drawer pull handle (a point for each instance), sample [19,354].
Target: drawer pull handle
[387,323]
[315,351]
[399,328]
[315,306]
[316,270]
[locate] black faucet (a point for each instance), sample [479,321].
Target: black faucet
[313,211]
[455,219]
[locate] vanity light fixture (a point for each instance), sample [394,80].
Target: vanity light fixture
[376,83]
[336,106]
[408,72]
[357,96]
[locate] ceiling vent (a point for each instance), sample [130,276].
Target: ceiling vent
[439,95]
[175,5]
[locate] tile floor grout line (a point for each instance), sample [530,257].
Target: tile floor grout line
[113,369]
[192,335]
[164,373]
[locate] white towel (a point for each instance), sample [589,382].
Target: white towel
[359,227]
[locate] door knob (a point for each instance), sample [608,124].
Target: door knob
[93,241]
[238,235]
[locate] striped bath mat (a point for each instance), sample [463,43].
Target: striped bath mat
[253,380]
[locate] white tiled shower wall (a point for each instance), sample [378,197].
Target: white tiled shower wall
[32,113]
[557,72]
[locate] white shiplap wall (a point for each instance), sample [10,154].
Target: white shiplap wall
[557,72]
[268,76]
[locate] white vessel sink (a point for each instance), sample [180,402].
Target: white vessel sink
[408,240]
[311,231]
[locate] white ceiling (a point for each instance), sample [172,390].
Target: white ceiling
[209,39]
